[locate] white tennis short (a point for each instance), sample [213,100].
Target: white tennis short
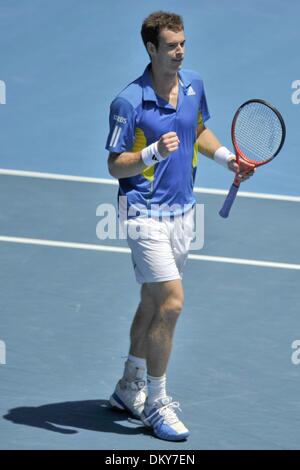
[159,248]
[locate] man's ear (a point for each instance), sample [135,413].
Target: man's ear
[150,48]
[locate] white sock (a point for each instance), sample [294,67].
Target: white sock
[134,369]
[156,387]
[139,361]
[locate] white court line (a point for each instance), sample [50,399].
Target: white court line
[86,179]
[57,176]
[60,244]
[117,249]
[248,262]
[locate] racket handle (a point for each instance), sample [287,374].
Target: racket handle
[224,212]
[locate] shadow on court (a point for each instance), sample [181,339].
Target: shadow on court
[92,415]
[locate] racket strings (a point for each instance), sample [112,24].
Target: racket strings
[258,132]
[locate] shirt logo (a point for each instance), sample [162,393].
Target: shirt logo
[191,91]
[120,119]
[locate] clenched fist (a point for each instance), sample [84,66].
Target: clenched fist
[168,143]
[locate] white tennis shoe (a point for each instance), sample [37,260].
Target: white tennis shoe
[129,396]
[162,418]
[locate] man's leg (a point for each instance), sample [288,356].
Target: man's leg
[153,328]
[141,323]
[130,392]
[168,297]
[159,411]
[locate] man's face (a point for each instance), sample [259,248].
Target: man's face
[170,52]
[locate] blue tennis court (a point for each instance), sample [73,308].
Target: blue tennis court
[68,298]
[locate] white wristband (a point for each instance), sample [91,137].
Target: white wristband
[223,155]
[150,155]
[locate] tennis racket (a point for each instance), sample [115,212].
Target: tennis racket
[258,134]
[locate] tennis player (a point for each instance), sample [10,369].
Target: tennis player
[157,128]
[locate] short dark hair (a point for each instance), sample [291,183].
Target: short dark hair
[154,23]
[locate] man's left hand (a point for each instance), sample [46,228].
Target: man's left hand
[243,170]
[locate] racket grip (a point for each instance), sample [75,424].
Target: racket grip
[224,212]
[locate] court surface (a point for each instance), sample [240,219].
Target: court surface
[67,297]
[66,313]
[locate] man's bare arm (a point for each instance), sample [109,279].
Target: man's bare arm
[127,164]
[208,144]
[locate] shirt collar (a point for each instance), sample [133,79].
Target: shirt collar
[184,80]
[148,91]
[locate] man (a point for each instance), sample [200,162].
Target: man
[157,126]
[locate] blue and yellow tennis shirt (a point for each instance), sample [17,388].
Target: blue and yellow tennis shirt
[139,117]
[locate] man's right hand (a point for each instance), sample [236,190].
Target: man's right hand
[168,143]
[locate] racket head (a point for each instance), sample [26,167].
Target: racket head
[258,132]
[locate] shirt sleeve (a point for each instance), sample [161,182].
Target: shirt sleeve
[121,126]
[203,108]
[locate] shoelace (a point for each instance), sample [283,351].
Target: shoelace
[167,412]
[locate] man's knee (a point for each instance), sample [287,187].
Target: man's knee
[172,306]
[167,296]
